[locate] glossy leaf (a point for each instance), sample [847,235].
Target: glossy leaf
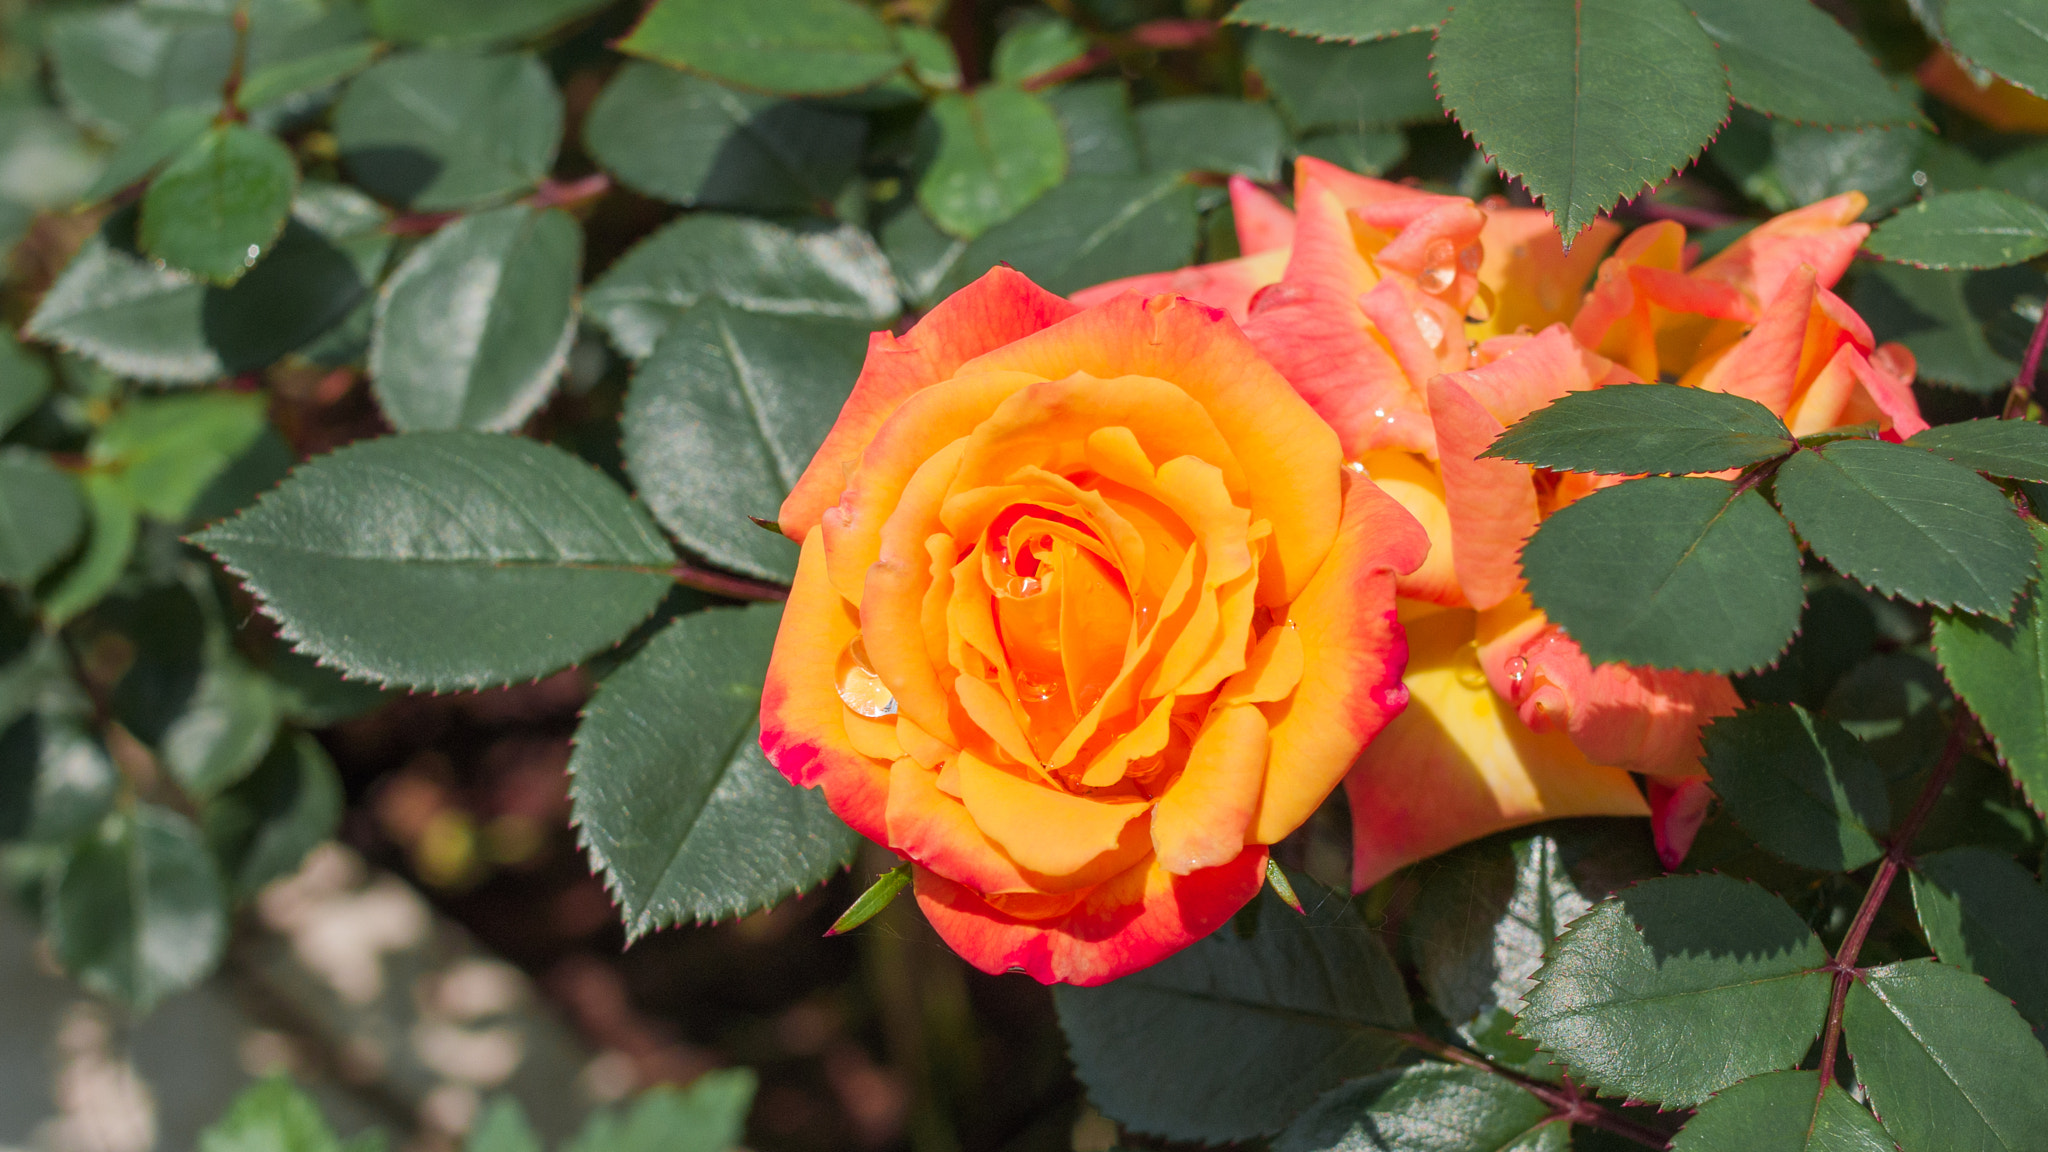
[1211,134]
[1632,988]
[261,828]
[1426,1108]
[1908,523]
[708,1116]
[2016,448]
[272,1116]
[1342,19]
[929,55]
[999,148]
[1670,573]
[473,329]
[166,135]
[41,517]
[1089,230]
[2007,37]
[279,82]
[787,46]
[2001,671]
[1801,784]
[117,307]
[438,130]
[472,21]
[138,913]
[1962,327]
[164,451]
[722,419]
[1775,1113]
[1585,103]
[503,1127]
[698,143]
[1947,1062]
[752,264]
[1370,152]
[1161,1050]
[678,808]
[1488,910]
[1650,428]
[1321,85]
[117,68]
[448,559]
[1036,46]
[1987,915]
[1811,163]
[220,204]
[1983,228]
[224,731]
[113,522]
[1101,134]
[24,382]
[56,780]
[1793,60]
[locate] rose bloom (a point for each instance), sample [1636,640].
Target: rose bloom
[1089,612]
[1419,326]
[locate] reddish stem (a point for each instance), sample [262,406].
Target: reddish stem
[1565,1101]
[2023,384]
[720,584]
[566,194]
[1895,855]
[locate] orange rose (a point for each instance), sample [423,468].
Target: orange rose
[1419,326]
[1088,613]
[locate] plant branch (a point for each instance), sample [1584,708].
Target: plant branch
[721,584]
[2023,384]
[1565,1101]
[231,88]
[1895,855]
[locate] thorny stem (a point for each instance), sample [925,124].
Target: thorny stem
[720,584]
[2023,384]
[231,88]
[1565,1101]
[551,193]
[1895,855]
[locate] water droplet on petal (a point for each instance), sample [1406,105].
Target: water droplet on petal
[1438,271]
[860,689]
[1432,332]
[1355,466]
[1021,587]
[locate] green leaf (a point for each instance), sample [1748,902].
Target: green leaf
[1908,523]
[1793,60]
[1161,1050]
[1648,428]
[1670,573]
[920,256]
[261,828]
[1346,85]
[1488,910]
[1101,135]
[117,67]
[472,21]
[1632,991]
[1800,784]
[56,781]
[680,811]
[2001,671]
[41,516]
[1089,230]
[437,130]
[448,560]
[1962,326]
[220,204]
[24,382]
[1585,103]
[266,86]
[1426,1108]
[474,328]
[1987,915]
[1982,228]
[1810,163]
[118,308]
[1371,152]
[272,1116]
[787,46]
[1211,134]
[999,148]
[171,131]
[1037,46]
[751,264]
[697,143]
[1775,1113]
[1342,19]
[227,726]
[708,1116]
[315,695]
[722,419]
[503,1128]
[870,903]
[1947,1062]
[2008,37]
[2016,448]
[929,55]
[164,451]
[138,912]
[113,522]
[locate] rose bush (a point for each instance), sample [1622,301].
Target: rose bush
[1088,613]
[1421,325]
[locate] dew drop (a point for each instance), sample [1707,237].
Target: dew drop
[1356,467]
[859,688]
[1432,332]
[1438,269]
[249,260]
[1033,690]
[1472,676]
[1518,669]
[1021,587]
